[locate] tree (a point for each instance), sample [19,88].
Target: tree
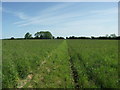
[107,36]
[53,37]
[37,35]
[12,38]
[60,37]
[113,36]
[47,35]
[67,38]
[43,35]
[28,35]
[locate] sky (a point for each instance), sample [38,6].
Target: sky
[60,18]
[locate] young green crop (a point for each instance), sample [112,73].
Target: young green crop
[58,63]
[36,64]
[96,62]
[22,57]
[55,72]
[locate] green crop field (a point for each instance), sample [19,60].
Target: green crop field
[60,64]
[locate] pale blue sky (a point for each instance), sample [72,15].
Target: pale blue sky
[61,19]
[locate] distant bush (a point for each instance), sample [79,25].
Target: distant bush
[12,38]
[60,37]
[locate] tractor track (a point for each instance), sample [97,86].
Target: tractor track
[30,76]
[74,72]
[90,74]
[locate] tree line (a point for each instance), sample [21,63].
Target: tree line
[48,35]
[39,35]
[111,36]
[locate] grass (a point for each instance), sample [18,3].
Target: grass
[47,63]
[96,62]
[0,64]
[21,57]
[55,72]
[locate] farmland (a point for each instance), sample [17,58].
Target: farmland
[60,63]
[96,62]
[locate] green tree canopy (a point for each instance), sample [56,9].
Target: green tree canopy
[43,35]
[113,36]
[37,35]
[28,35]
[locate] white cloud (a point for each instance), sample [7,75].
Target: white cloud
[48,16]
[48,20]
[100,22]
[95,24]
[56,7]
[45,15]
[20,15]
[106,11]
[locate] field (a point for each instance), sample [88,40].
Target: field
[60,64]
